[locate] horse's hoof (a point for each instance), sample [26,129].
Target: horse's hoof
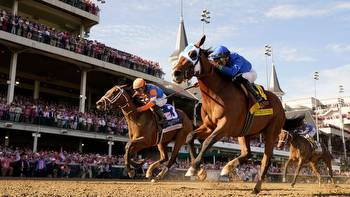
[202,174]
[224,172]
[255,191]
[292,185]
[153,181]
[131,173]
[148,175]
[190,172]
[284,179]
[162,173]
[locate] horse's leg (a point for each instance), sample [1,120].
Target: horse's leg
[132,147]
[162,157]
[300,162]
[285,170]
[208,142]
[328,161]
[178,143]
[313,166]
[244,143]
[265,163]
[201,132]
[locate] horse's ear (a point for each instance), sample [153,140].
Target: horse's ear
[200,42]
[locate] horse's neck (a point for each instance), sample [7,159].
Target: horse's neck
[298,141]
[212,82]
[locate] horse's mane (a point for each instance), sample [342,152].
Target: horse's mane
[207,52]
[128,89]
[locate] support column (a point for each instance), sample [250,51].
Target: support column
[35,143]
[36,89]
[110,144]
[81,144]
[82,91]
[89,100]
[82,31]
[7,140]
[214,159]
[330,143]
[15,7]
[12,78]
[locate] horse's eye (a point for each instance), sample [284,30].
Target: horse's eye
[193,55]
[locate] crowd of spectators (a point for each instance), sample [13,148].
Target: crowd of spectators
[86,5]
[44,112]
[24,163]
[22,26]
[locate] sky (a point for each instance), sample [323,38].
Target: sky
[306,36]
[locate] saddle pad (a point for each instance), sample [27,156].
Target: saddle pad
[172,127]
[173,121]
[170,112]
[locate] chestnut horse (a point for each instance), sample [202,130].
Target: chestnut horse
[143,128]
[301,151]
[224,108]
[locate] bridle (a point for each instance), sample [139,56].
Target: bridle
[116,97]
[197,67]
[289,135]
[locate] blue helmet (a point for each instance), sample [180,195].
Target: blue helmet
[219,52]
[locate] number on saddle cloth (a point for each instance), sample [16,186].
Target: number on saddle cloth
[174,120]
[170,112]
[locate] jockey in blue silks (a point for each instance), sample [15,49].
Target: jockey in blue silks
[308,131]
[154,94]
[235,67]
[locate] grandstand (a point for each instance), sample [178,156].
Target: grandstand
[51,74]
[54,74]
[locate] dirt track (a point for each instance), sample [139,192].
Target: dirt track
[166,189]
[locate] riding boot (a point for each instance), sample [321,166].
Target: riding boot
[250,87]
[160,114]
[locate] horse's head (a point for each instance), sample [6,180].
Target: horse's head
[283,138]
[188,62]
[114,96]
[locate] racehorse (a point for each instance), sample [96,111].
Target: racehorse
[224,110]
[301,151]
[143,130]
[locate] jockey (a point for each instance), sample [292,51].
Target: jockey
[235,66]
[154,94]
[308,131]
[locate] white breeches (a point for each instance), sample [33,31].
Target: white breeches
[161,101]
[250,76]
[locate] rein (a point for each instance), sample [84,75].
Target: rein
[287,138]
[112,100]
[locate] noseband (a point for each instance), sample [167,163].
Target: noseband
[286,139]
[197,67]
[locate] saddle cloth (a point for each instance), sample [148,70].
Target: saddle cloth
[173,119]
[316,146]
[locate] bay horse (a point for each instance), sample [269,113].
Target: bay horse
[143,128]
[223,112]
[301,151]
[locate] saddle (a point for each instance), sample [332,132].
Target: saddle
[316,147]
[173,121]
[255,109]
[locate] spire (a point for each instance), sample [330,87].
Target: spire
[181,40]
[274,85]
